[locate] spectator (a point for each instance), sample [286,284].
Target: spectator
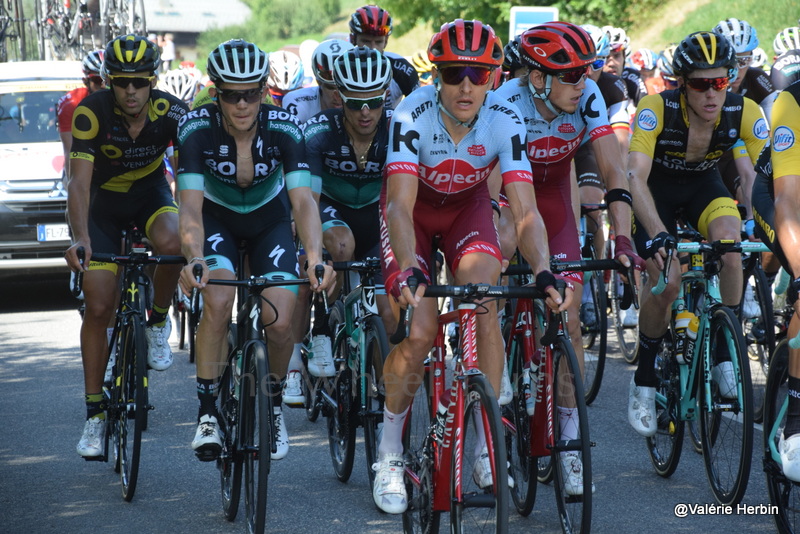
[167,51]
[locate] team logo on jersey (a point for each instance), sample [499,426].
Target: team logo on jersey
[760,129]
[476,150]
[453,176]
[782,139]
[567,127]
[647,120]
[732,133]
[223,151]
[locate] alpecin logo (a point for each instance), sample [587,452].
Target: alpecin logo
[477,150]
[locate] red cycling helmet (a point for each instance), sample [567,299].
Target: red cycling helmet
[556,47]
[466,41]
[370,20]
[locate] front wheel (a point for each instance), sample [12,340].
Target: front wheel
[666,445]
[479,482]
[131,404]
[595,339]
[726,421]
[230,459]
[377,347]
[627,336]
[257,423]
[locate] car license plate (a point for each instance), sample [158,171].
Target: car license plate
[52,232]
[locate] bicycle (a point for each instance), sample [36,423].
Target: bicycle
[686,390]
[359,350]
[71,34]
[12,31]
[627,336]
[126,396]
[186,318]
[245,406]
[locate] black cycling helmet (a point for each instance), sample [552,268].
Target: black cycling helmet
[511,59]
[237,61]
[704,50]
[131,53]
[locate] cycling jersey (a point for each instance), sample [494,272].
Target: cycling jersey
[615,93]
[786,70]
[121,163]
[65,108]
[303,103]
[634,83]
[203,97]
[404,79]
[333,162]
[756,85]
[208,158]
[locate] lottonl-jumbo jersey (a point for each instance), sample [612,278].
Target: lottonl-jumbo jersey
[786,132]
[100,136]
[208,158]
[333,162]
[419,144]
[551,146]
[661,130]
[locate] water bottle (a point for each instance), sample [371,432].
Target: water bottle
[691,336]
[682,320]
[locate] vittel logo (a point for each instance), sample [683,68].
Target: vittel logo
[647,120]
[782,139]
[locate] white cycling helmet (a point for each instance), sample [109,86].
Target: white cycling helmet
[324,55]
[618,38]
[179,83]
[601,38]
[644,59]
[759,58]
[787,39]
[665,60]
[237,61]
[362,70]
[92,63]
[285,71]
[743,36]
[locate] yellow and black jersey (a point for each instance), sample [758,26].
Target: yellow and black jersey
[120,162]
[786,132]
[661,130]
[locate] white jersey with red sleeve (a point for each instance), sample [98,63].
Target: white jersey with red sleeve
[419,144]
[551,146]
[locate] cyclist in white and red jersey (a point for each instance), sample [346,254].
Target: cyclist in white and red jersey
[562,109]
[444,141]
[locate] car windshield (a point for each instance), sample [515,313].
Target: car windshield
[29,117]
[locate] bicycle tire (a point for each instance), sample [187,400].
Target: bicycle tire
[575,510]
[378,350]
[594,352]
[627,337]
[230,459]
[694,435]
[759,336]
[522,467]
[666,445]
[138,19]
[342,419]
[783,493]
[133,405]
[256,438]
[419,517]
[720,431]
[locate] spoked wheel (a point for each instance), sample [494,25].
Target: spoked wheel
[627,336]
[342,423]
[230,459]
[131,403]
[419,517]
[726,421]
[595,338]
[571,457]
[783,493]
[256,436]
[371,389]
[138,21]
[759,337]
[479,483]
[694,434]
[666,445]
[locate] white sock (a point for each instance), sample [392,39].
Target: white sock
[480,434]
[296,361]
[568,421]
[392,439]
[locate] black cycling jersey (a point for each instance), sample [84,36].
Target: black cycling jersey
[756,85]
[634,83]
[121,163]
[404,79]
[786,70]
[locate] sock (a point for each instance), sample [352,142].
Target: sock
[296,361]
[158,317]
[793,411]
[207,394]
[480,433]
[568,423]
[392,440]
[645,375]
[95,407]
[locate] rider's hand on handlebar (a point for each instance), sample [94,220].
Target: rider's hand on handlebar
[71,255]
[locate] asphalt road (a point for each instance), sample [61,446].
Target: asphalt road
[46,487]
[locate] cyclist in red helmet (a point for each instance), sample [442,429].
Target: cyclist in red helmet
[444,141]
[371,26]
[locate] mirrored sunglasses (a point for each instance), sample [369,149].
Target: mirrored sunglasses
[454,75]
[743,61]
[704,84]
[357,104]
[599,63]
[138,82]
[572,77]
[250,96]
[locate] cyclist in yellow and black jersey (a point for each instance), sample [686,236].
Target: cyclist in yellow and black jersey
[117,178]
[678,137]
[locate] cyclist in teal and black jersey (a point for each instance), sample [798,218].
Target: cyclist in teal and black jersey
[116,178]
[242,169]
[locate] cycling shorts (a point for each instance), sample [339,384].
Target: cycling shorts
[555,205]
[586,167]
[111,213]
[363,222]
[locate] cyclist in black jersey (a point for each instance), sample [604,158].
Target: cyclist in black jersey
[786,69]
[117,178]
[242,169]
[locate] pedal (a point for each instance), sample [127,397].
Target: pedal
[99,458]
[207,455]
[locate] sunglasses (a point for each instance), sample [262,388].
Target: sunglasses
[599,63]
[743,61]
[571,77]
[456,74]
[357,104]
[95,79]
[250,96]
[670,80]
[704,84]
[138,82]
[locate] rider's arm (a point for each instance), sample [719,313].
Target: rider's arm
[612,170]
[307,222]
[78,206]
[401,196]
[786,165]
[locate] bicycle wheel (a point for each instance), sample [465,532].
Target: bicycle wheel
[419,517]
[572,453]
[595,339]
[256,434]
[517,425]
[783,493]
[342,419]
[666,445]
[694,434]
[230,459]
[377,351]
[726,425]
[759,336]
[138,21]
[627,336]
[131,404]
